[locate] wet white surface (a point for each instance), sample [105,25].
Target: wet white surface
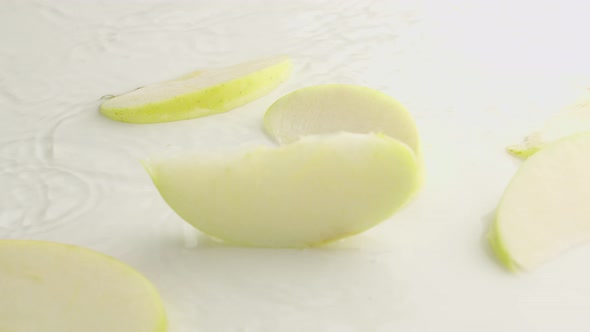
[476,75]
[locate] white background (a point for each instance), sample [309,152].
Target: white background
[476,75]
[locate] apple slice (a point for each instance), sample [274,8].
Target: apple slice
[545,209]
[316,190]
[572,120]
[199,93]
[330,108]
[53,287]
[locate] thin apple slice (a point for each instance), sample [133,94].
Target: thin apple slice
[53,287]
[545,209]
[199,93]
[572,120]
[316,190]
[330,108]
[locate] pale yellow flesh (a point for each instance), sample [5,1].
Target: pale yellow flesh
[316,190]
[199,93]
[332,108]
[544,211]
[52,287]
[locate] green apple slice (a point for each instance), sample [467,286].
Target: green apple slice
[574,119]
[199,93]
[53,287]
[330,108]
[545,211]
[316,190]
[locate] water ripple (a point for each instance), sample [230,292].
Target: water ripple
[42,198]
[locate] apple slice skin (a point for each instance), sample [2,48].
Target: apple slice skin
[330,108]
[495,241]
[314,191]
[67,279]
[214,99]
[523,150]
[542,212]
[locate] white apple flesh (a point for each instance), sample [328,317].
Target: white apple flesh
[199,93]
[316,190]
[545,210]
[53,287]
[331,108]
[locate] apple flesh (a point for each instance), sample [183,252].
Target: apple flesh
[199,93]
[316,190]
[53,287]
[331,108]
[575,119]
[544,211]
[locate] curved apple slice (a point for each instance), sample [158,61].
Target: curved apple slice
[316,190]
[53,287]
[199,93]
[573,120]
[545,209]
[330,108]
